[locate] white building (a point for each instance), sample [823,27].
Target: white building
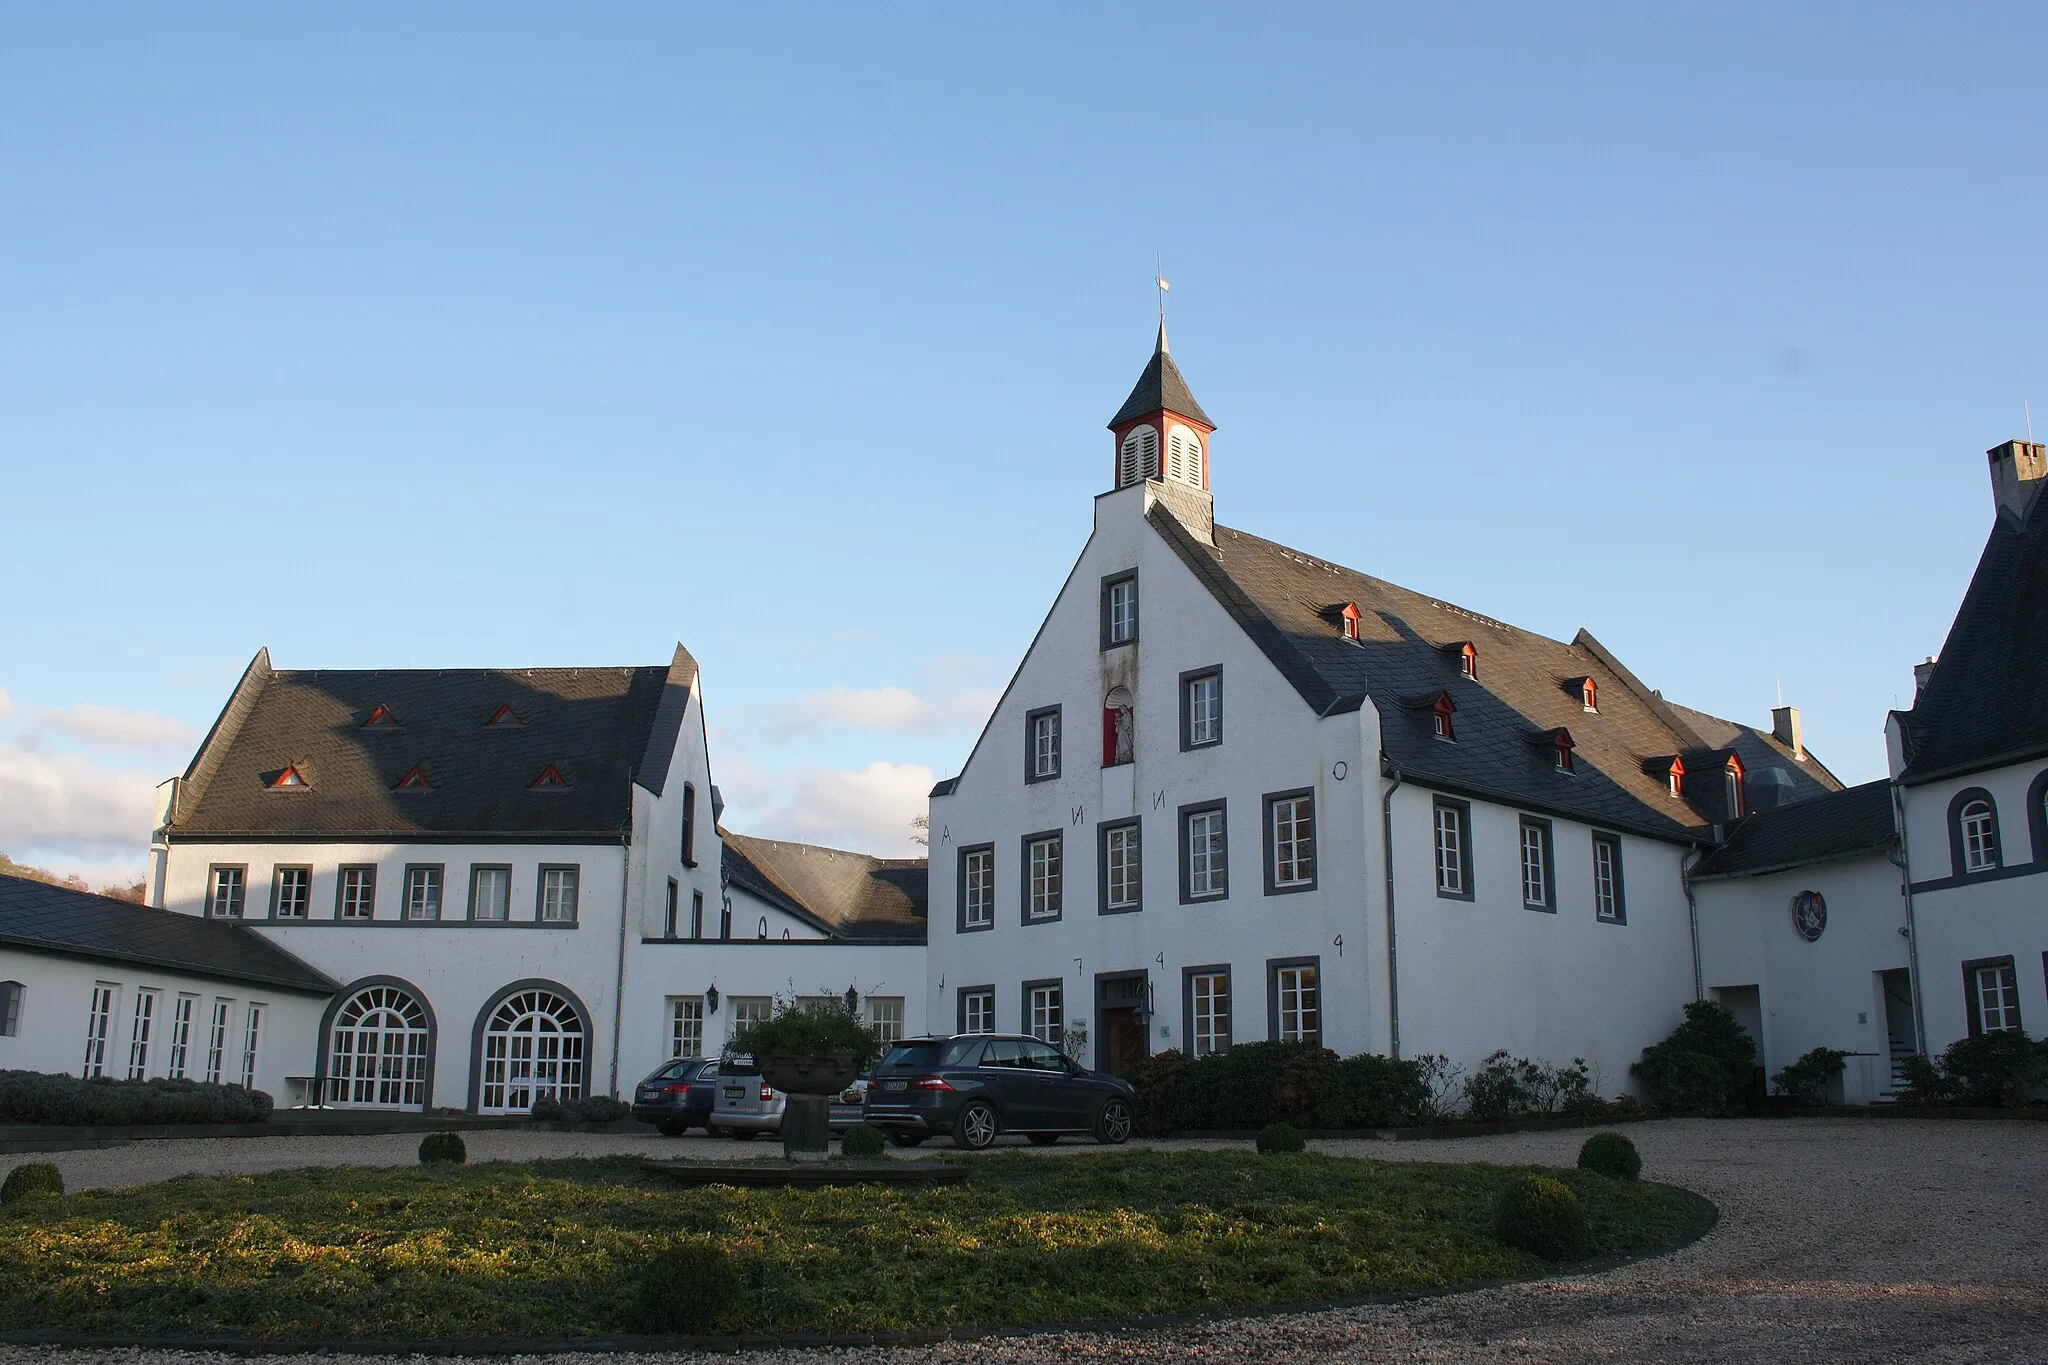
[1236,791]
[514,875]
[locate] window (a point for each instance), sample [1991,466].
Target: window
[686,1026]
[378,1050]
[1440,713]
[140,1032]
[292,893]
[1538,887]
[1290,842]
[10,1008]
[1674,778]
[1562,743]
[1992,989]
[1468,661]
[1294,990]
[252,1038]
[1204,856]
[1119,727]
[1042,876]
[673,909]
[1207,1027]
[1043,1016]
[977,887]
[696,914]
[1453,850]
[1351,616]
[978,1009]
[181,1036]
[885,1017]
[1138,457]
[224,901]
[96,1025]
[1608,902]
[1980,837]
[551,779]
[1042,744]
[1731,788]
[1589,695]
[1201,709]
[558,895]
[357,896]
[415,780]
[423,892]
[291,779]
[504,715]
[490,894]
[217,1040]
[533,1049]
[748,1010]
[1184,456]
[1119,610]
[689,825]
[1121,861]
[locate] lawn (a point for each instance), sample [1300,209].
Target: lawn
[554,1248]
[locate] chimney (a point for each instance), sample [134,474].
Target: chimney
[1785,725]
[1921,673]
[2017,468]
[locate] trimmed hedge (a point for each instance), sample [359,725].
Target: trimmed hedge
[1279,1138]
[1704,1066]
[688,1287]
[1234,1088]
[443,1148]
[36,1097]
[31,1180]
[862,1140]
[1543,1217]
[1992,1070]
[1370,1091]
[1610,1154]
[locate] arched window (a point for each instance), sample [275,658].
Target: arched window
[533,1050]
[1119,727]
[1979,824]
[1138,459]
[377,1051]
[1184,457]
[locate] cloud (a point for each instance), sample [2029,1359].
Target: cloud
[6,704]
[884,708]
[108,727]
[70,806]
[867,809]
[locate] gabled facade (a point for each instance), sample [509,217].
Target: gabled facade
[1235,791]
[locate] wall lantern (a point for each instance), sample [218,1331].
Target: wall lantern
[852,998]
[711,999]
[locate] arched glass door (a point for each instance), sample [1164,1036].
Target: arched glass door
[377,1052]
[533,1049]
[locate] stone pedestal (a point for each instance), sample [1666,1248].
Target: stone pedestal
[806,1127]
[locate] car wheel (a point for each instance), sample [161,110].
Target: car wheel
[904,1137]
[1113,1123]
[1043,1139]
[672,1129]
[975,1128]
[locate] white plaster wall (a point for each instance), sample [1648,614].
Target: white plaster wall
[57,1007]
[1820,994]
[1958,922]
[1482,974]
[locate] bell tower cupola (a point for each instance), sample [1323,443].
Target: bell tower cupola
[1161,431]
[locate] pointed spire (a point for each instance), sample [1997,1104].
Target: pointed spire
[1161,348]
[1160,389]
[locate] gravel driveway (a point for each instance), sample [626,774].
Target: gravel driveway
[1839,1240]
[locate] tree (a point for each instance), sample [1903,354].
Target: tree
[921,830]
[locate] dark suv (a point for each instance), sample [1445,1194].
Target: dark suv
[976,1085]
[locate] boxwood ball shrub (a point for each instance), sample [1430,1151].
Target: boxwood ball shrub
[1610,1154]
[31,1180]
[1276,1138]
[438,1148]
[688,1287]
[863,1139]
[1543,1217]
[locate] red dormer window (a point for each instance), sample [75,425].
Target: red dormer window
[1440,713]
[415,780]
[1676,778]
[1350,616]
[550,779]
[291,778]
[1563,747]
[1731,779]
[381,719]
[504,715]
[1589,694]
[1468,661]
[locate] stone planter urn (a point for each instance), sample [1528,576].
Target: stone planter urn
[809,1081]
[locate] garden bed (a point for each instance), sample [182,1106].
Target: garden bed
[553,1250]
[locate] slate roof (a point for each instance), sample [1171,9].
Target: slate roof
[1836,825]
[601,728]
[850,896]
[1987,703]
[1160,386]
[1408,654]
[57,919]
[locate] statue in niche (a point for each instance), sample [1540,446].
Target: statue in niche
[1119,727]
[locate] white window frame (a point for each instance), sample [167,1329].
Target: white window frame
[1608,892]
[1205,710]
[98,1023]
[252,1043]
[1208,854]
[357,897]
[560,887]
[1452,876]
[979,884]
[499,909]
[1208,1012]
[1980,836]
[141,1031]
[1123,863]
[686,1026]
[227,897]
[885,1017]
[1123,611]
[1535,867]
[751,1009]
[1293,831]
[1044,856]
[1298,1002]
[183,1015]
[1045,744]
[217,1023]
[294,892]
[1045,1014]
[423,892]
[2000,982]
[978,1010]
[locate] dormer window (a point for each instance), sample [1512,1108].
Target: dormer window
[381,719]
[415,780]
[1350,616]
[504,715]
[1675,779]
[1138,458]
[1731,780]
[1589,694]
[1440,713]
[1468,661]
[288,780]
[550,779]
[1562,745]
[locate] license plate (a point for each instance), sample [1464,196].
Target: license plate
[650,1094]
[733,1092]
[894,1085]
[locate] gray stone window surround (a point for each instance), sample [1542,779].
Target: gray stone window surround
[960,925]
[1187,698]
[1058,839]
[1462,810]
[1270,850]
[1110,581]
[1031,719]
[1181,818]
[1549,848]
[1102,832]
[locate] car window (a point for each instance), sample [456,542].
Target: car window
[962,1052]
[1044,1057]
[709,1073]
[1004,1052]
[923,1053]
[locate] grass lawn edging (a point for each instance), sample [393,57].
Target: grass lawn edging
[1426,1132]
[17,1138]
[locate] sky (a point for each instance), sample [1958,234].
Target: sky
[520,334]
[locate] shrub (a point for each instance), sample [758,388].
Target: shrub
[1277,1138]
[1372,1092]
[1704,1065]
[1159,1090]
[862,1140]
[1234,1088]
[1301,1085]
[548,1109]
[1439,1076]
[35,1097]
[1610,1154]
[598,1109]
[1807,1080]
[31,1180]
[807,1031]
[1993,1069]
[437,1148]
[1543,1217]
[1507,1087]
[688,1287]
